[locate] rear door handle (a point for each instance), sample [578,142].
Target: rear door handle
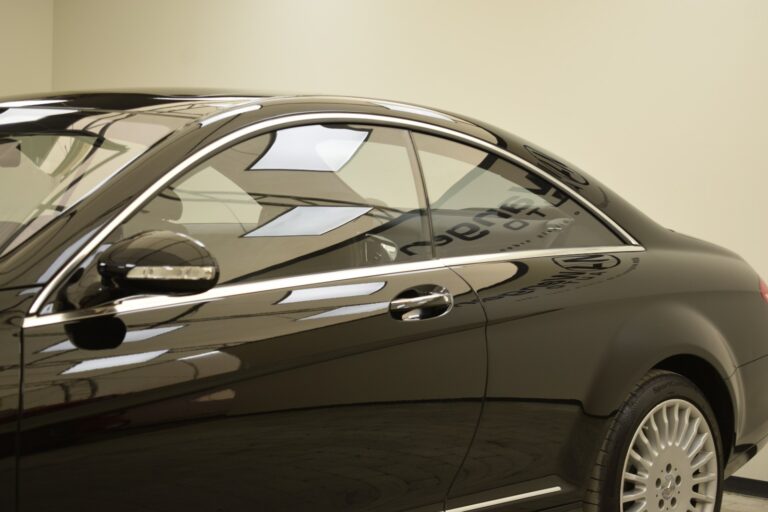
[421,303]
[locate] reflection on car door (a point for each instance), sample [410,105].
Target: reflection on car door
[13,304]
[293,398]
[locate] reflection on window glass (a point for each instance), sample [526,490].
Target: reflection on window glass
[260,216]
[25,115]
[310,220]
[52,158]
[483,204]
[312,148]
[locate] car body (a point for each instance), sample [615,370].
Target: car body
[350,353]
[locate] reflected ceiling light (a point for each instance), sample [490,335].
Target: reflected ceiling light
[26,115]
[207,99]
[309,221]
[28,103]
[197,356]
[130,337]
[224,394]
[349,310]
[332,292]
[311,148]
[229,113]
[113,362]
[64,257]
[412,109]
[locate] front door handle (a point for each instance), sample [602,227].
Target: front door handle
[421,303]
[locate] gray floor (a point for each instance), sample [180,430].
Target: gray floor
[739,503]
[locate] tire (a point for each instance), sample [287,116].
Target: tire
[660,474]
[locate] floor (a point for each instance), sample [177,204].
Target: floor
[739,503]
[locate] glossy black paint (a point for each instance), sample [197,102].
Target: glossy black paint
[153,249]
[253,403]
[13,306]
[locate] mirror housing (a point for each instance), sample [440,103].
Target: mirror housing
[157,262]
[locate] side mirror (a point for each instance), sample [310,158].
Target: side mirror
[157,262]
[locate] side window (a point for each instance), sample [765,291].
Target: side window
[299,200]
[484,204]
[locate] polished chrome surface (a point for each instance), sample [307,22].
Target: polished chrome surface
[508,499]
[142,303]
[537,253]
[410,309]
[293,119]
[672,462]
[420,302]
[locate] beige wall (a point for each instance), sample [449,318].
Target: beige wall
[664,100]
[26,44]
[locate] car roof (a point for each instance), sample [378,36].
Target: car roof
[172,101]
[206,105]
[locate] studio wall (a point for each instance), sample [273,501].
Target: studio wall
[26,46]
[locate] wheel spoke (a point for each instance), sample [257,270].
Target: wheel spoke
[698,445]
[633,495]
[702,479]
[665,424]
[693,430]
[638,506]
[686,422]
[655,429]
[702,460]
[675,423]
[644,439]
[639,458]
[633,477]
[703,498]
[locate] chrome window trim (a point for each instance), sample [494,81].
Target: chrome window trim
[146,303]
[508,499]
[263,126]
[536,253]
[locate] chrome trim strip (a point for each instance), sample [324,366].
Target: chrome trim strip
[508,499]
[292,119]
[536,253]
[143,303]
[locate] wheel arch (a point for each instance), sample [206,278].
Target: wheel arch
[672,336]
[713,385]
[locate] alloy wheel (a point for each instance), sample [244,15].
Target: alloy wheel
[672,462]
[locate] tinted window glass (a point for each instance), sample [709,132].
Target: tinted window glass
[52,158]
[300,200]
[483,204]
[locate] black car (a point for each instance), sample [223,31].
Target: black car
[220,302]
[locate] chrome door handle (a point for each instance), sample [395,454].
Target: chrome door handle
[421,303]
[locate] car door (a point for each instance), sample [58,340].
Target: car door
[13,303]
[337,365]
[542,264]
